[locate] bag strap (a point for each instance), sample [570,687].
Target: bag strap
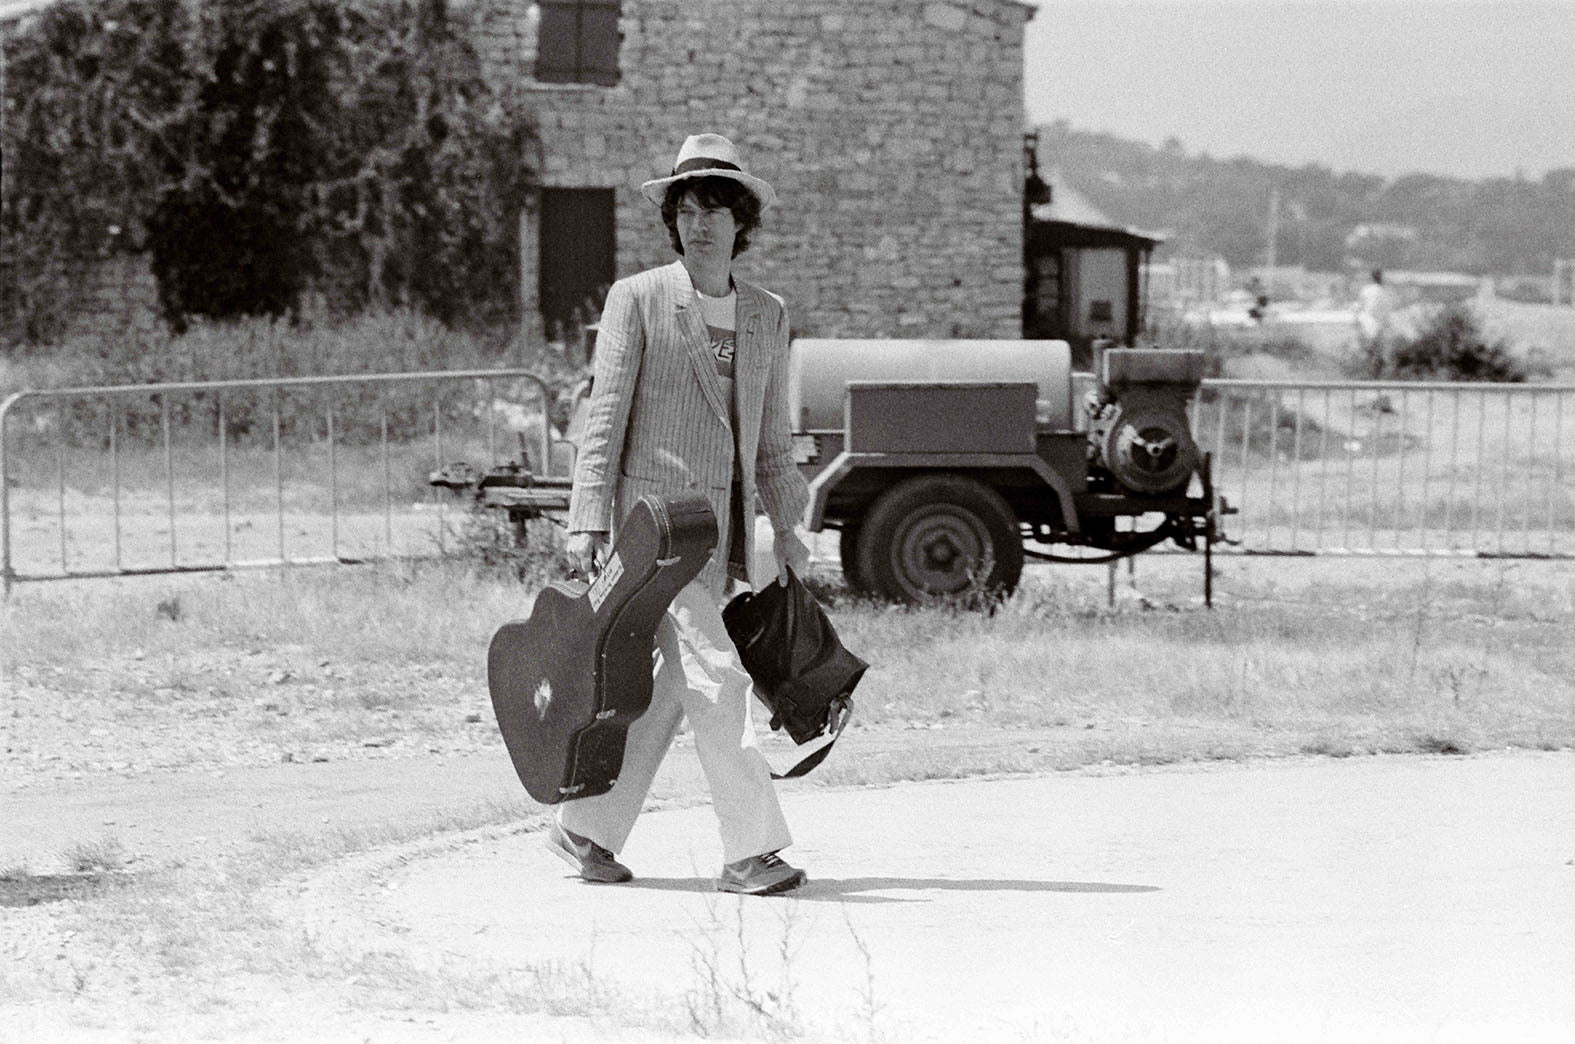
[842,707]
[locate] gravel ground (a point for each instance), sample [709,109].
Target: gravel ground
[231,708]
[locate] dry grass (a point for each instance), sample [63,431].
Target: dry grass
[1481,658]
[1544,332]
[96,857]
[417,612]
[1470,650]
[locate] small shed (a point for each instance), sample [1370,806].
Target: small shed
[1083,272]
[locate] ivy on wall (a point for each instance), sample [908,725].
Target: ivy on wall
[260,151]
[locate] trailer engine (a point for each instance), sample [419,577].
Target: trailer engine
[1139,431]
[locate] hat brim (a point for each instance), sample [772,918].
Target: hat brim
[656,191]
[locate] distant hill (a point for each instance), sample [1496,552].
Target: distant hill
[1326,219]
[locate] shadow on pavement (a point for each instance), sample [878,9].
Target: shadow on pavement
[849,889]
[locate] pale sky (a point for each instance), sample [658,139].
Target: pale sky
[1471,88]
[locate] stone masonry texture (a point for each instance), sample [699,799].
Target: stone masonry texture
[891,130]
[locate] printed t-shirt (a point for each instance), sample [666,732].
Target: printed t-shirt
[722,326]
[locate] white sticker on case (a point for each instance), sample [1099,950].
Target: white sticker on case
[610,574]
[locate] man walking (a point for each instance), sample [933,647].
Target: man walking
[690,395]
[1374,308]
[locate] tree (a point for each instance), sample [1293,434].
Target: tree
[90,94]
[259,150]
[231,229]
[420,204]
[1502,226]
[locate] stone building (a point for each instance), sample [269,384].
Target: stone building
[891,129]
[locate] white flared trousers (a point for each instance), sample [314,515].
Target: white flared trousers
[698,676]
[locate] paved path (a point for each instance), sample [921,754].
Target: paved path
[1387,898]
[1390,899]
[181,815]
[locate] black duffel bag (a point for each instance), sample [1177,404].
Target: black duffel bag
[800,668]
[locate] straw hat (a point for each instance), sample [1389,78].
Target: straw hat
[708,156]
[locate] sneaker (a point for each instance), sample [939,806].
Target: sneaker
[593,861]
[760,875]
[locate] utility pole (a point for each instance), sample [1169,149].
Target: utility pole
[1271,232]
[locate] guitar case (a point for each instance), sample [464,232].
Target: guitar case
[567,682]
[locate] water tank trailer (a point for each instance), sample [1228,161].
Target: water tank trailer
[939,460]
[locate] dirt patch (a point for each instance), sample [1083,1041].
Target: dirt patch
[223,708]
[24,889]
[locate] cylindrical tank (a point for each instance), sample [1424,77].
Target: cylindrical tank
[822,367]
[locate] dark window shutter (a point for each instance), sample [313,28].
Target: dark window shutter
[577,41]
[557,50]
[599,41]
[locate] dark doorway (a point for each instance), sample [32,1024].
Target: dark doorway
[576,261]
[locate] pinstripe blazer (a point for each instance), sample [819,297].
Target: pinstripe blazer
[658,420]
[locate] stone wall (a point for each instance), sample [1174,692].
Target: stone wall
[115,297]
[891,129]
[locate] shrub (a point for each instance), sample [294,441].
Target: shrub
[487,544]
[265,153]
[1450,346]
[394,341]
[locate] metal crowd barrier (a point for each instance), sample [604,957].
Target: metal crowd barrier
[160,478]
[201,476]
[1393,468]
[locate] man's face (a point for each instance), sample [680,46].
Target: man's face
[706,232]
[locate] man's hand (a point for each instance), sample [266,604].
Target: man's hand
[789,551]
[587,550]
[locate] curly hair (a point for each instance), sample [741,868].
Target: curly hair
[714,192]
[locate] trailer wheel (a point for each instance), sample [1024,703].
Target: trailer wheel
[847,549]
[936,536]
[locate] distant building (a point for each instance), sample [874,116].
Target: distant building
[1372,230]
[1084,272]
[1181,283]
[1296,283]
[1434,287]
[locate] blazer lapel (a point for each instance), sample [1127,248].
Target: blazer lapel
[696,340]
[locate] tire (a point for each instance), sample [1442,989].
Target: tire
[929,537]
[847,550]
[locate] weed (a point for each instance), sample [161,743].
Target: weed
[490,546]
[92,857]
[1457,678]
[1432,744]
[1422,604]
[742,1002]
[1328,747]
[869,1008]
